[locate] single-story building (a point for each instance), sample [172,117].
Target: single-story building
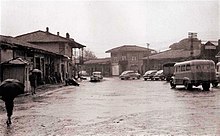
[103,65]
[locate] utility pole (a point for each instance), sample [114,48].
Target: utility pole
[191,36]
[148,56]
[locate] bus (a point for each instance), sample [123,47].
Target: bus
[194,73]
[168,70]
[217,75]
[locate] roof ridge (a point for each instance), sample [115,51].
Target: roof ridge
[28,33]
[64,38]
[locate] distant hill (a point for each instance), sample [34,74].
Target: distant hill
[186,44]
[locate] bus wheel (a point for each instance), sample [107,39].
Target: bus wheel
[206,86]
[215,84]
[172,84]
[187,85]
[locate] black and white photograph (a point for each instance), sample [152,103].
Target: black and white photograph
[109,67]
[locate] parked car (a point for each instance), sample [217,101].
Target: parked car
[149,74]
[159,75]
[129,75]
[96,76]
[83,73]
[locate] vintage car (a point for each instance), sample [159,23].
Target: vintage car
[129,75]
[159,75]
[149,74]
[96,76]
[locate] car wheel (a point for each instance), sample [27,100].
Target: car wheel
[187,85]
[172,84]
[215,84]
[206,86]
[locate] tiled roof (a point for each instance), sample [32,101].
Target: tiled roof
[15,43]
[47,37]
[127,48]
[186,44]
[98,61]
[17,61]
[41,36]
[171,54]
[210,42]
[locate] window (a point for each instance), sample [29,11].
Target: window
[188,68]
[179,68]
[115,59]
[183,68]
[133,58]
[123,57]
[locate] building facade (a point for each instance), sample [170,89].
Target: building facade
[102,64]
[128,57]
[19,57]
[57,44]
[182,51]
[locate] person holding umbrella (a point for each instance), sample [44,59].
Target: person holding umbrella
[9,89]
[33,82]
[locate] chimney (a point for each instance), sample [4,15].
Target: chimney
[58,33]
[67,35]
[47,29]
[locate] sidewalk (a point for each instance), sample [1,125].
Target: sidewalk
[25,98]
[44,88]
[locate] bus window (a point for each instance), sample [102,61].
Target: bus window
[183,68]
[188,68]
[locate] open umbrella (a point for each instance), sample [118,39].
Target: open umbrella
[10,88]
[36,71]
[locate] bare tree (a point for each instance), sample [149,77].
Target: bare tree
[88,55]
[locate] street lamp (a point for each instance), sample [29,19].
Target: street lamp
[192,36]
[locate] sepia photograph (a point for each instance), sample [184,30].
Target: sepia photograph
[109,68]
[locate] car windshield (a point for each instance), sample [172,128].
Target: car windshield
[159,72]
[150,71]
[96,73]
[127,72]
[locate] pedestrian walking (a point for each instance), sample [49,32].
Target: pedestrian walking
[9,89]
[33,82]
[9,105]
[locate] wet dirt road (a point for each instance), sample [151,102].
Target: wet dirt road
[115,107]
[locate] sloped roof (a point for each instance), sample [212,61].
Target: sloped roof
[127,48]
[98,61]
[15,43]
[41,36]
[78,45]
[210,42]
[186,44]
[47,37]
[16,61]
[171,54]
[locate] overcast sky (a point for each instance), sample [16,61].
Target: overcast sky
[102,25]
